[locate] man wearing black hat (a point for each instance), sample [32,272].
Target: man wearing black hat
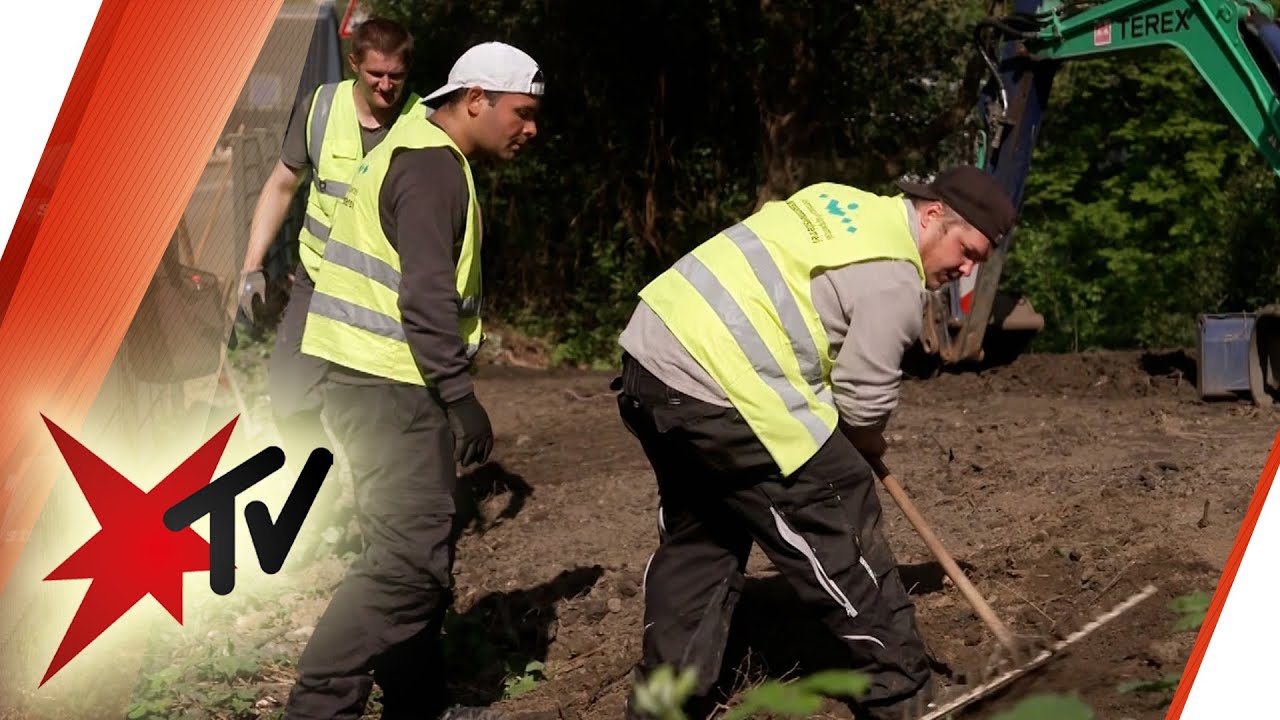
[758,375]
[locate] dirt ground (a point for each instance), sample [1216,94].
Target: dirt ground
[1062,484]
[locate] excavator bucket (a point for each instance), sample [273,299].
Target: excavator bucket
[1239,356]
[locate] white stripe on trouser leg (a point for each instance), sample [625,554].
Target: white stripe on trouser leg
[868,638]
[871,574]
[793,539]
[865,565]
[662,525]
[644,579]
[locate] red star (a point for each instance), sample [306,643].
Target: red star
[134,554]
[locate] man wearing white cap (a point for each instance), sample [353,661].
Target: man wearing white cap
[397,314]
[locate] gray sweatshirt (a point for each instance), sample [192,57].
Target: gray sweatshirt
[872,313]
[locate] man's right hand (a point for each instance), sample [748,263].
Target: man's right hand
[472,433]
[253,292]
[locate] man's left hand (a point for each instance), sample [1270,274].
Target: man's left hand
[870,442]
[472,433]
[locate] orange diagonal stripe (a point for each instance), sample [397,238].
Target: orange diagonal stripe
[146,106]
[1224,583]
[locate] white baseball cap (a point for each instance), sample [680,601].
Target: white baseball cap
[495,67]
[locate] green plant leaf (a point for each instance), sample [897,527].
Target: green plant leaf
[1193,602]
[1192,610]
[663,693]
[1168,683]
[1048,707]
[777,698]
[837,683]
[1190,621]
[517,686]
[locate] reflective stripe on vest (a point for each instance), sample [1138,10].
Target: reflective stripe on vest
[319,125]
[741,305]
[352,314]
[354,318]
[365,319]
[383,274]
[320,122]
[784,303]
[332,188]
[749,338]
[317,228]
[365,264]
[335,148]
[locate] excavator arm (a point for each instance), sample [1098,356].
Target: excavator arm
[1233,44]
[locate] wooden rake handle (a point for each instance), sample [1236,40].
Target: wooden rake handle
[971,594]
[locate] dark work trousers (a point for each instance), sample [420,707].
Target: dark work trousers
[293,383]
[720,491]
[293,379]
[385,617]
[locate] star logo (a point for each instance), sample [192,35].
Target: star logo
[133,554]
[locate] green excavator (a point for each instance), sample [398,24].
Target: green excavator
[1233,44]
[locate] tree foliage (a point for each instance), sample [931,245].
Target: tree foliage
[1145,206]
[667,121]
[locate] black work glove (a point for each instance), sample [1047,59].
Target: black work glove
[472,434]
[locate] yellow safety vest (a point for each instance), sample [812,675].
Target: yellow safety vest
[740,303]
[354,318]
[335,150]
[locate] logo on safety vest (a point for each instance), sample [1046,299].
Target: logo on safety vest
[833,208]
